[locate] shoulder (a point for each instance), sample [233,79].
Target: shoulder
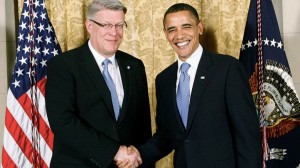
[219,60]
[71,54]
[168,72]
[128,58]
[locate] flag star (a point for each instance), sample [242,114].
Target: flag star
[27,2]
[23,60]
[46,51]
[55,52]
[21,37]
[26,49]
[36,50]
[16,83]
[32,26]
[55,41]
[34,14]
[48,39]
[243,47]
[25,14]
[255,42]
[41,27]
[36,3]
[49,28]
[273,43]
[249,44]
[19,72]
[279,45]
[18,48]
[43,62]
[28,73]
[39,39]
[29,38]
[43,4]
[23,25]
[33,62]
[266,41]
[43,16]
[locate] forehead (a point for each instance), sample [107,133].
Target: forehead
[181,17]
[110,15]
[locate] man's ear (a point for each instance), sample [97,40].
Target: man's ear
[88,25]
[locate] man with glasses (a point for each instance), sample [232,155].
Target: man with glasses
[97,96]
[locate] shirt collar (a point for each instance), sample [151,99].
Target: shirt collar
[99,58]
[194,59]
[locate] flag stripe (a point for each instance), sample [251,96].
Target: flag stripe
[14,152]
[23,142]
[7,162]
[18,135]
[28,139]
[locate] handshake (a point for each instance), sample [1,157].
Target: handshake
[128,157]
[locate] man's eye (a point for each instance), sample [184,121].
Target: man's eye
[171,30]
[107,25]
[187,27]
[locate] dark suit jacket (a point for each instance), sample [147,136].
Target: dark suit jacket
[222,129]
[80,109]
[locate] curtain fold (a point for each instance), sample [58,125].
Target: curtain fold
[224,23]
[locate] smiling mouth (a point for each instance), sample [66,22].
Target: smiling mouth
[182,44]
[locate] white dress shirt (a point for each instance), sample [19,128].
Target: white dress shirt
[193,60]
[113,70]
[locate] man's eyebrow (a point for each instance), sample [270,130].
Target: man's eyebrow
[187,24]
[172,27]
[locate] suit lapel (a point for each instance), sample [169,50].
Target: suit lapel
[125,71]
[201,79]
[89,64]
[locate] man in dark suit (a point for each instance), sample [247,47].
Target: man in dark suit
[212,124]
[96,110]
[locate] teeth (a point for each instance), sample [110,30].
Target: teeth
[182,43]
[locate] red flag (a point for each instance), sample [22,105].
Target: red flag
[28,139]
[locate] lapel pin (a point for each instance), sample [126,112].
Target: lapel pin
[128,67]
[202,77]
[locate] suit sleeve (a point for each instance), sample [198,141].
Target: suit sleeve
[143,128]
[243,118]
[69,130]
[159,145]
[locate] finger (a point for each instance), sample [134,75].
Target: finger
[124,164]
[136,164]
[130,150]
[119,162]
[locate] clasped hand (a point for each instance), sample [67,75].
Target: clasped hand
[128,157]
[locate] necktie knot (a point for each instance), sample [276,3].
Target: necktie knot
[106,62]
[184,67]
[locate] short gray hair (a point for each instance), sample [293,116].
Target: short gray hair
[98,5]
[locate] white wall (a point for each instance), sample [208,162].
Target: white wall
[291,37]
[7,55]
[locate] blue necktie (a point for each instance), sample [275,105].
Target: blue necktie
[183,93]
[112,87]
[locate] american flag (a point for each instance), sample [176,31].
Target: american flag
[28,139]
[263,54]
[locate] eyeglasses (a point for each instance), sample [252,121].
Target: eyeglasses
[108,26]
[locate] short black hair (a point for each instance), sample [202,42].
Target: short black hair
[181,7]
